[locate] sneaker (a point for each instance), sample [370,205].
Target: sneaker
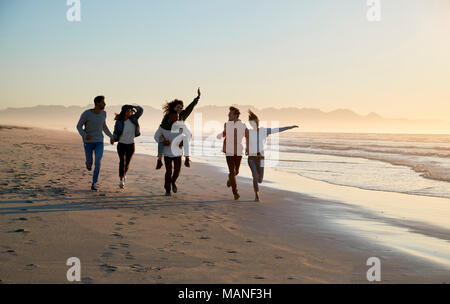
[236,196]
[186,163]
[167,194]
[122,184]
[94,187]
[89,167]
[159,164]
[174,188]
[228,184]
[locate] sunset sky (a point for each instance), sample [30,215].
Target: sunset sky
[319,54]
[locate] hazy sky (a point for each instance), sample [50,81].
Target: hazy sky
[321,54]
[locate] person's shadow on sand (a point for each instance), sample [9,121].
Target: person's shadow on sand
[101,202]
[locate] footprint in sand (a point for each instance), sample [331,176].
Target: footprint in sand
[113,247]
[209,263]
[20,219]
[107,254]
[259,278]
[138,268]
[235,260]
[278,257]
[290,278]
[231,251]
[30,267]
[129,256]
[19,231]
[10,251]
[117,235]
[124,245]
[249,241]
[87,280]
[108,268]
[204,237]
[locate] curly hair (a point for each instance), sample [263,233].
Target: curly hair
[236,111]
[169,107]
[252,116]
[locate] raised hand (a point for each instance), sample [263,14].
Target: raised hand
[198,93]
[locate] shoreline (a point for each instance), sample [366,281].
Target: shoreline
[199,235]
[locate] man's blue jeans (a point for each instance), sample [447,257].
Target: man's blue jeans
[96,147]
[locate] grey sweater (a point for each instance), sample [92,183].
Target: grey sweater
[93,124]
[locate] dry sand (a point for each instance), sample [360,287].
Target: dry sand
[137,235]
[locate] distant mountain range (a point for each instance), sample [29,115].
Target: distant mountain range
[309,120]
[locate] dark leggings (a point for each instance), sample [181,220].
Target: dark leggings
[233,162]
[125,154]
[254,163]
[169,177]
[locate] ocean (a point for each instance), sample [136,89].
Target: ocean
[406,163]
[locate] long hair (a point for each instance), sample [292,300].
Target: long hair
[236,111]
[252,116]
[121,115]
[169,107]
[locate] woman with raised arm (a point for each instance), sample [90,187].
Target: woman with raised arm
[173,112]
[167,135]
[256,139]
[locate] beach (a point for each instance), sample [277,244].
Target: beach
[198,235]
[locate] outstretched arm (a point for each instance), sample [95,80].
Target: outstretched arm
[186,112]
[278,130]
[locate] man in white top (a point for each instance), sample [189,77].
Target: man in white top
[233,133]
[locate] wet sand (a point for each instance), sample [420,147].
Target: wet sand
[199,235]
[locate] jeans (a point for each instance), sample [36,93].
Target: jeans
[160,148]
[125,152]
[233,162]
[254,163]
[96,147]
[169,177]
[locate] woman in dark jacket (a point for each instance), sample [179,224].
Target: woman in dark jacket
[125,130]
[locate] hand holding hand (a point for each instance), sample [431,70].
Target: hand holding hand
[111,140]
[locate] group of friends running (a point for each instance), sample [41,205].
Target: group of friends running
[173,141]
